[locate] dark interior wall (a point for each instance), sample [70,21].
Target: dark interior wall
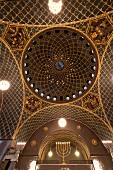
[29,164]
[26,162]
[71,167]
[86,134]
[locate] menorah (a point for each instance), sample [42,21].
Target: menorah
[63,149]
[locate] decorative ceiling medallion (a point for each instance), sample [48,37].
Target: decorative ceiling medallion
[79,127]
[32,104]
[94,142]
[16,36]
[91,101]
[100,30]
[45,129]
[60,64]
[33,143]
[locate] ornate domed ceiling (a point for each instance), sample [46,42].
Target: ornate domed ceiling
[60,64]
[56,59]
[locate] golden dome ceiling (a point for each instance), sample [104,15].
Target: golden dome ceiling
[60,64]
[24,23]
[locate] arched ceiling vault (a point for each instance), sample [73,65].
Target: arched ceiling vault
[67,111]
[22,111]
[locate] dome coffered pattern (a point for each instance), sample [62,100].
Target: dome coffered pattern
[60,64]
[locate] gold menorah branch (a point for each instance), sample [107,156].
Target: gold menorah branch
[63,149]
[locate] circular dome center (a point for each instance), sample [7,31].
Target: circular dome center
[59,65]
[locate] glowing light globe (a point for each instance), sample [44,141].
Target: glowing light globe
[55,6]
[4,85]
[50,153]
[62,122]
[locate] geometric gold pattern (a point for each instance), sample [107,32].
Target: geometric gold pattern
[106,82]
[67,111]
[12,98]
[37,13]
[25,19]
[55,73]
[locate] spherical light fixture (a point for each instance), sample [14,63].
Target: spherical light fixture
[77,153]
[62,122]
[50,153]
[4,85]
[55,6]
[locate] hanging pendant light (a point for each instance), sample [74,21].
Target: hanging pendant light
[55,6]
[77,153]
[50,153]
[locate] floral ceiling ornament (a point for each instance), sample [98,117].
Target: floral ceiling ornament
[91,101]
[32,104]
[100,30]
[16,36]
